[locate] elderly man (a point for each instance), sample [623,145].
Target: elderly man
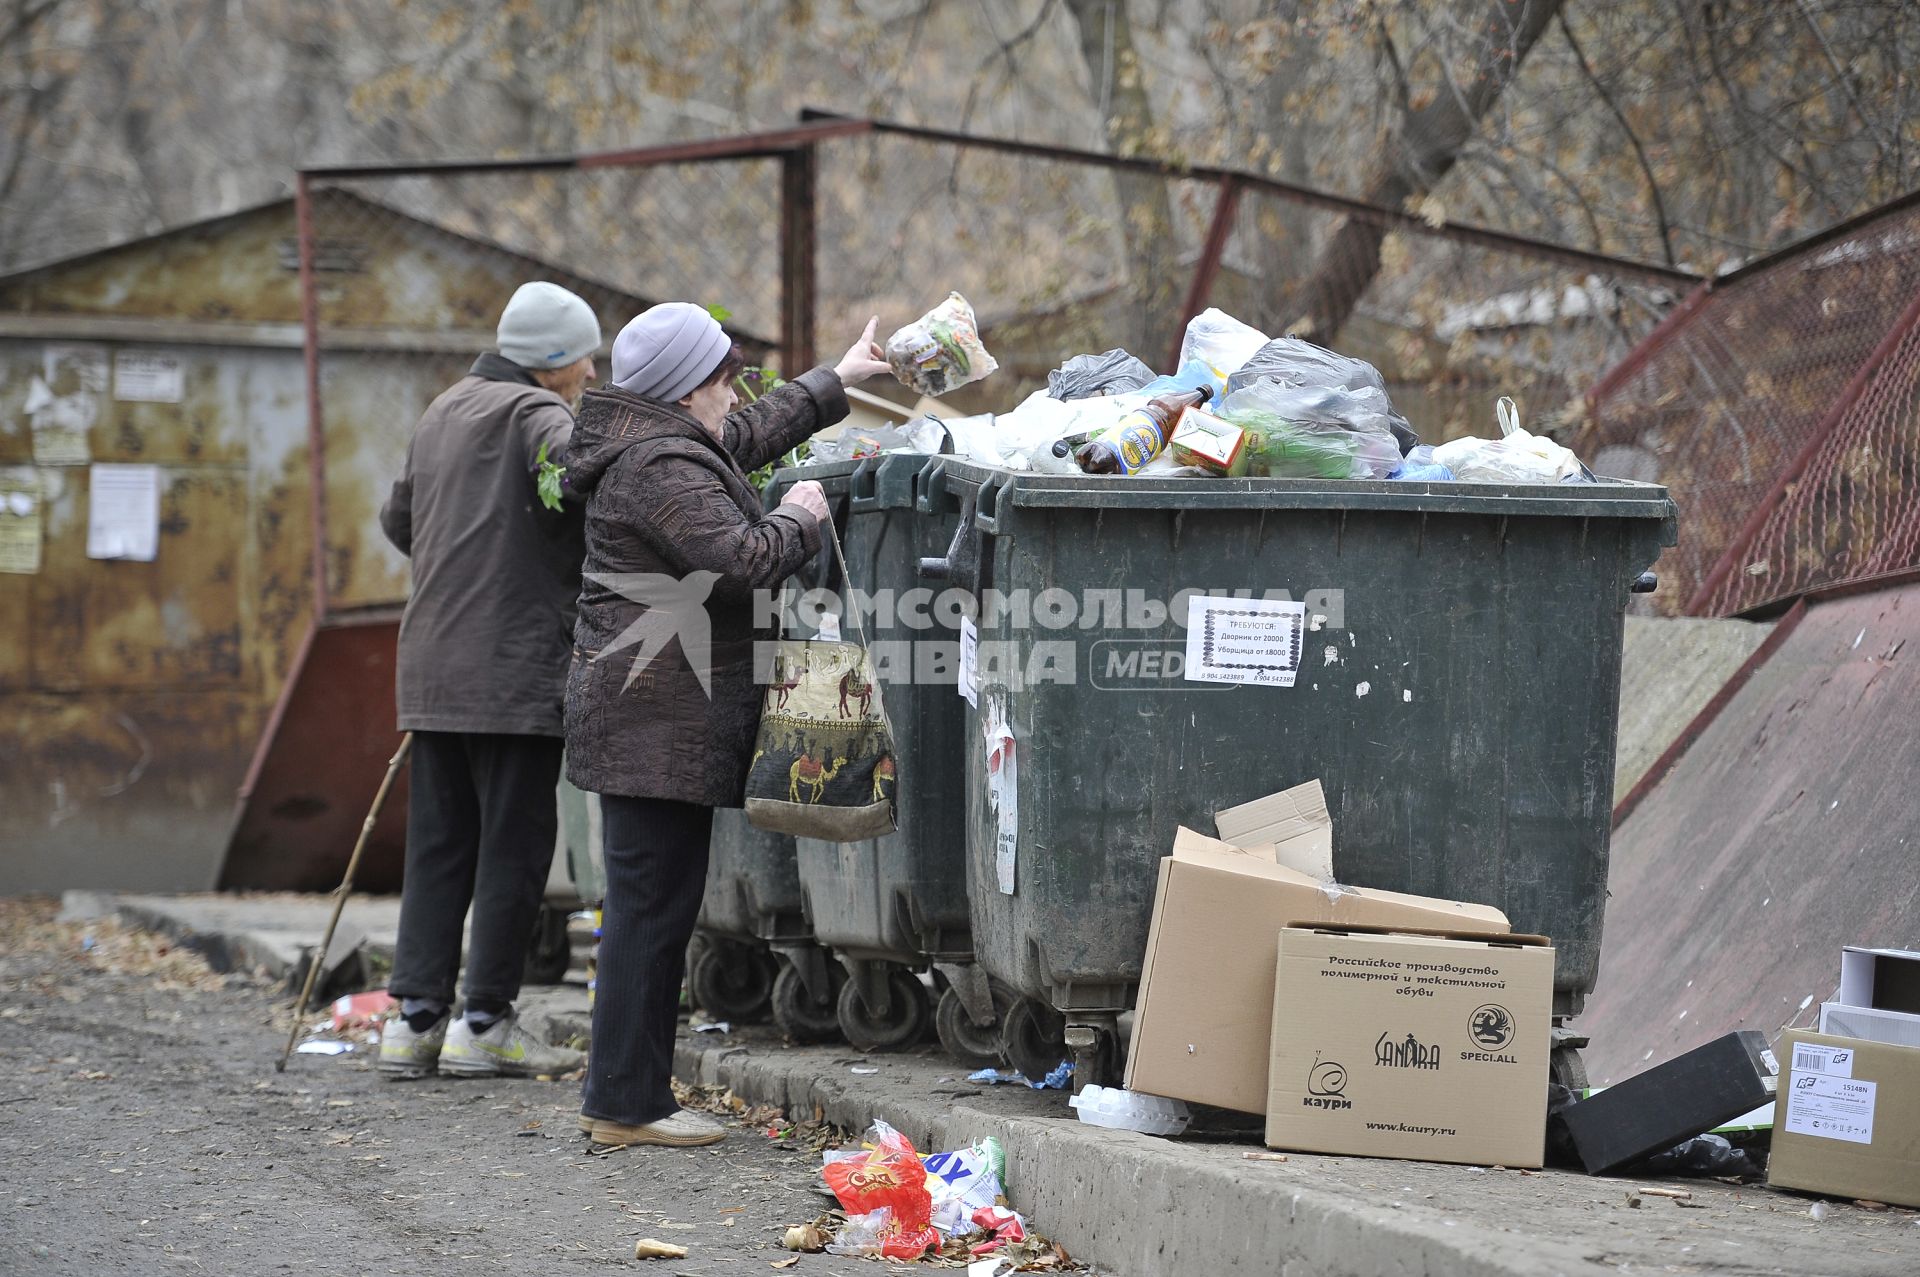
[484,646]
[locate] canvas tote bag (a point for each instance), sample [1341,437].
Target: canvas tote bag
[823,760]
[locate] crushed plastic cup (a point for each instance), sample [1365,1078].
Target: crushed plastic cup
[1124,1110]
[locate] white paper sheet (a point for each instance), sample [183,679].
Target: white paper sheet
[1253,641]
[123,512]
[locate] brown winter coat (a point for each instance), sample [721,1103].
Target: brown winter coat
[664,498]
[489,623]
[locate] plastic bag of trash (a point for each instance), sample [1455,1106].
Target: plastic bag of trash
[1705,1155]
[941,350]
[1125,1110]
[1293,362]
[924,434]
[1515,457]
[885,1177]
[882,1232]
[1419,466]
[1314,432]
[1085,376]
[963,1181]
[1222,343]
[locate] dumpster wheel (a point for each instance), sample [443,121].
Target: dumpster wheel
[732,982]
[798,1015]
[977,1046]
[1033,1037]
[904,1027]
[1566,1067]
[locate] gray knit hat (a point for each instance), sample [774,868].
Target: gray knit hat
[667,352]
[545,326]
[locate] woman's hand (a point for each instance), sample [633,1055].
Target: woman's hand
[863,359]
[807,495]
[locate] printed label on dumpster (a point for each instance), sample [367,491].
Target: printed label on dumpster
[1233,640]
[1832,1108]
[141,377]
[969,679]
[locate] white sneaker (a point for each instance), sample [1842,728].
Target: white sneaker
[683,1129]
[504,1050]
[407,1056]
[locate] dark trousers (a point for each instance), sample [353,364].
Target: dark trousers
[656,862]
[482,816]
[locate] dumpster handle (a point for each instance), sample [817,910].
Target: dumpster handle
[930,487]
[986,503]
[861,486]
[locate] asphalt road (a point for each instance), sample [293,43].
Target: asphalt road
[144,1131]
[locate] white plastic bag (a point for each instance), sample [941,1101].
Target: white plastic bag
[1222,343]
[941,350]
[1515,457]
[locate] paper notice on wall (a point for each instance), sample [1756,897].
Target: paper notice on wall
[123,512]
[969,677]
[144,377]
[1254,641]
[20,520]
[1830,1107]
[63,403]
[1003,794]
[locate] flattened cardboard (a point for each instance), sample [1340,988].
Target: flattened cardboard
[1394,1044]
[1294,822]
[1202,1022]
[1817,1140]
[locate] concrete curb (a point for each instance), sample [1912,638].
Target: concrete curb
[1145,1206]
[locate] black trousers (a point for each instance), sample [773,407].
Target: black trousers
[656,862]
[482,817]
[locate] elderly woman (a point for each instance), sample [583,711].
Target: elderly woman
[662,706]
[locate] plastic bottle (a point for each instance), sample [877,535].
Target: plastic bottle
[1140,436]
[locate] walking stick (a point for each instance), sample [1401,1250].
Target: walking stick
[340,898]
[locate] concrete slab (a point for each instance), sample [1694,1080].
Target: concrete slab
[1786,831]
[1670,669]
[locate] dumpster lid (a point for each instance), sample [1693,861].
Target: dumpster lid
[1612,499]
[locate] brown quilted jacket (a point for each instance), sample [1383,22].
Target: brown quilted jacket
[675,532]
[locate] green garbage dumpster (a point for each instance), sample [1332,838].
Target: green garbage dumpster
[1445,658]
[892,907]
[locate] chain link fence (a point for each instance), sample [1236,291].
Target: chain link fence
[1779,406]
[1060,252]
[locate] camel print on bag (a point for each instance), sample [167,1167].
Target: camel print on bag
[823,762]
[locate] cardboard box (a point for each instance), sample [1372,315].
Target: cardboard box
[1202,1022]
[1388,1044]
[1202,439]
[1848,1119]
[1841,1021]
[1293,822]
[1879,997]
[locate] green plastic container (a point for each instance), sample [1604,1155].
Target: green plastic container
[1457,697]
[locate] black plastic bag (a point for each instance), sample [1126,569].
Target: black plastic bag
[1084,376]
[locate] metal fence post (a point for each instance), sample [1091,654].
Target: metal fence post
[798,286]
[1207,269]
[316,428]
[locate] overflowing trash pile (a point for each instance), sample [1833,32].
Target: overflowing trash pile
[900,1206]
[1240,404]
